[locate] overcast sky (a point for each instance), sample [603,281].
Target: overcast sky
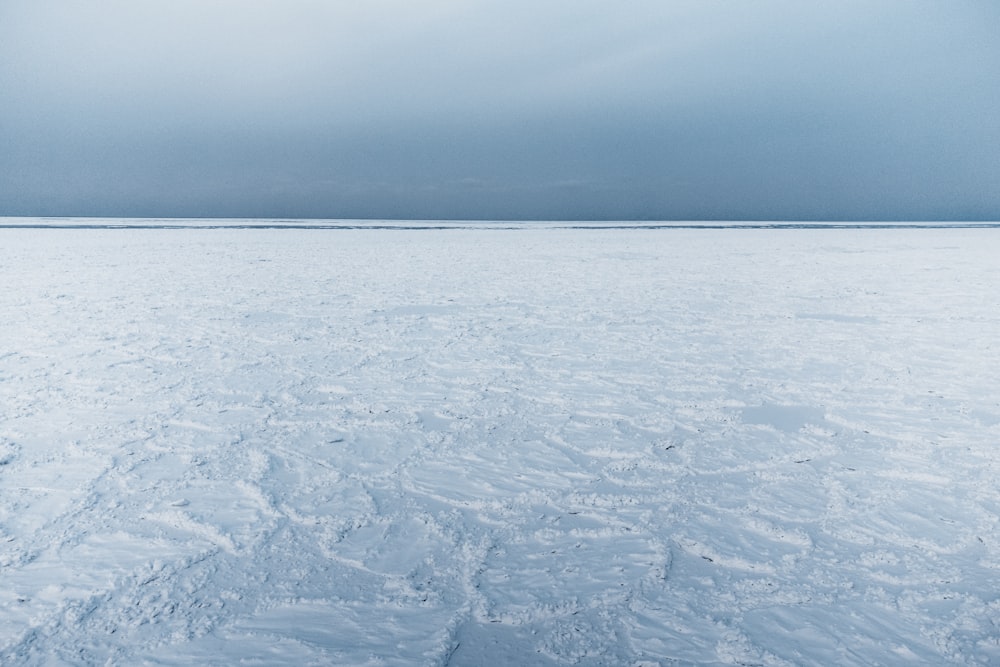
[567,109]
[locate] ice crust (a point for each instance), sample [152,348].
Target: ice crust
[471,446]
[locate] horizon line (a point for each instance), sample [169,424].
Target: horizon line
[234,223]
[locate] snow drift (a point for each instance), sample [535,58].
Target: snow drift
[476,445]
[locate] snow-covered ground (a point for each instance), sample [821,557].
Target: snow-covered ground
[485,446]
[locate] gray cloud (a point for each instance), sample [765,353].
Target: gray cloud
[698,109]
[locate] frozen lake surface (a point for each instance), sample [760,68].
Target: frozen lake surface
[507,444]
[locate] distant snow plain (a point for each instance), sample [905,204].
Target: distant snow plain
[499,444]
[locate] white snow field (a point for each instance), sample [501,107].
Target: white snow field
[499,445]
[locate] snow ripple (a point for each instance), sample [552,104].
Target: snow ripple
[475,445]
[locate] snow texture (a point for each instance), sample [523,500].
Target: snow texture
[485,445]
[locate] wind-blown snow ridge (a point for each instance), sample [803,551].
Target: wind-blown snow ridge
[465,447]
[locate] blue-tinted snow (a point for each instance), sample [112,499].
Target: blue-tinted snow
[527,445]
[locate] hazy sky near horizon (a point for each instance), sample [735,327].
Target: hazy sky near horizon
[568,109]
